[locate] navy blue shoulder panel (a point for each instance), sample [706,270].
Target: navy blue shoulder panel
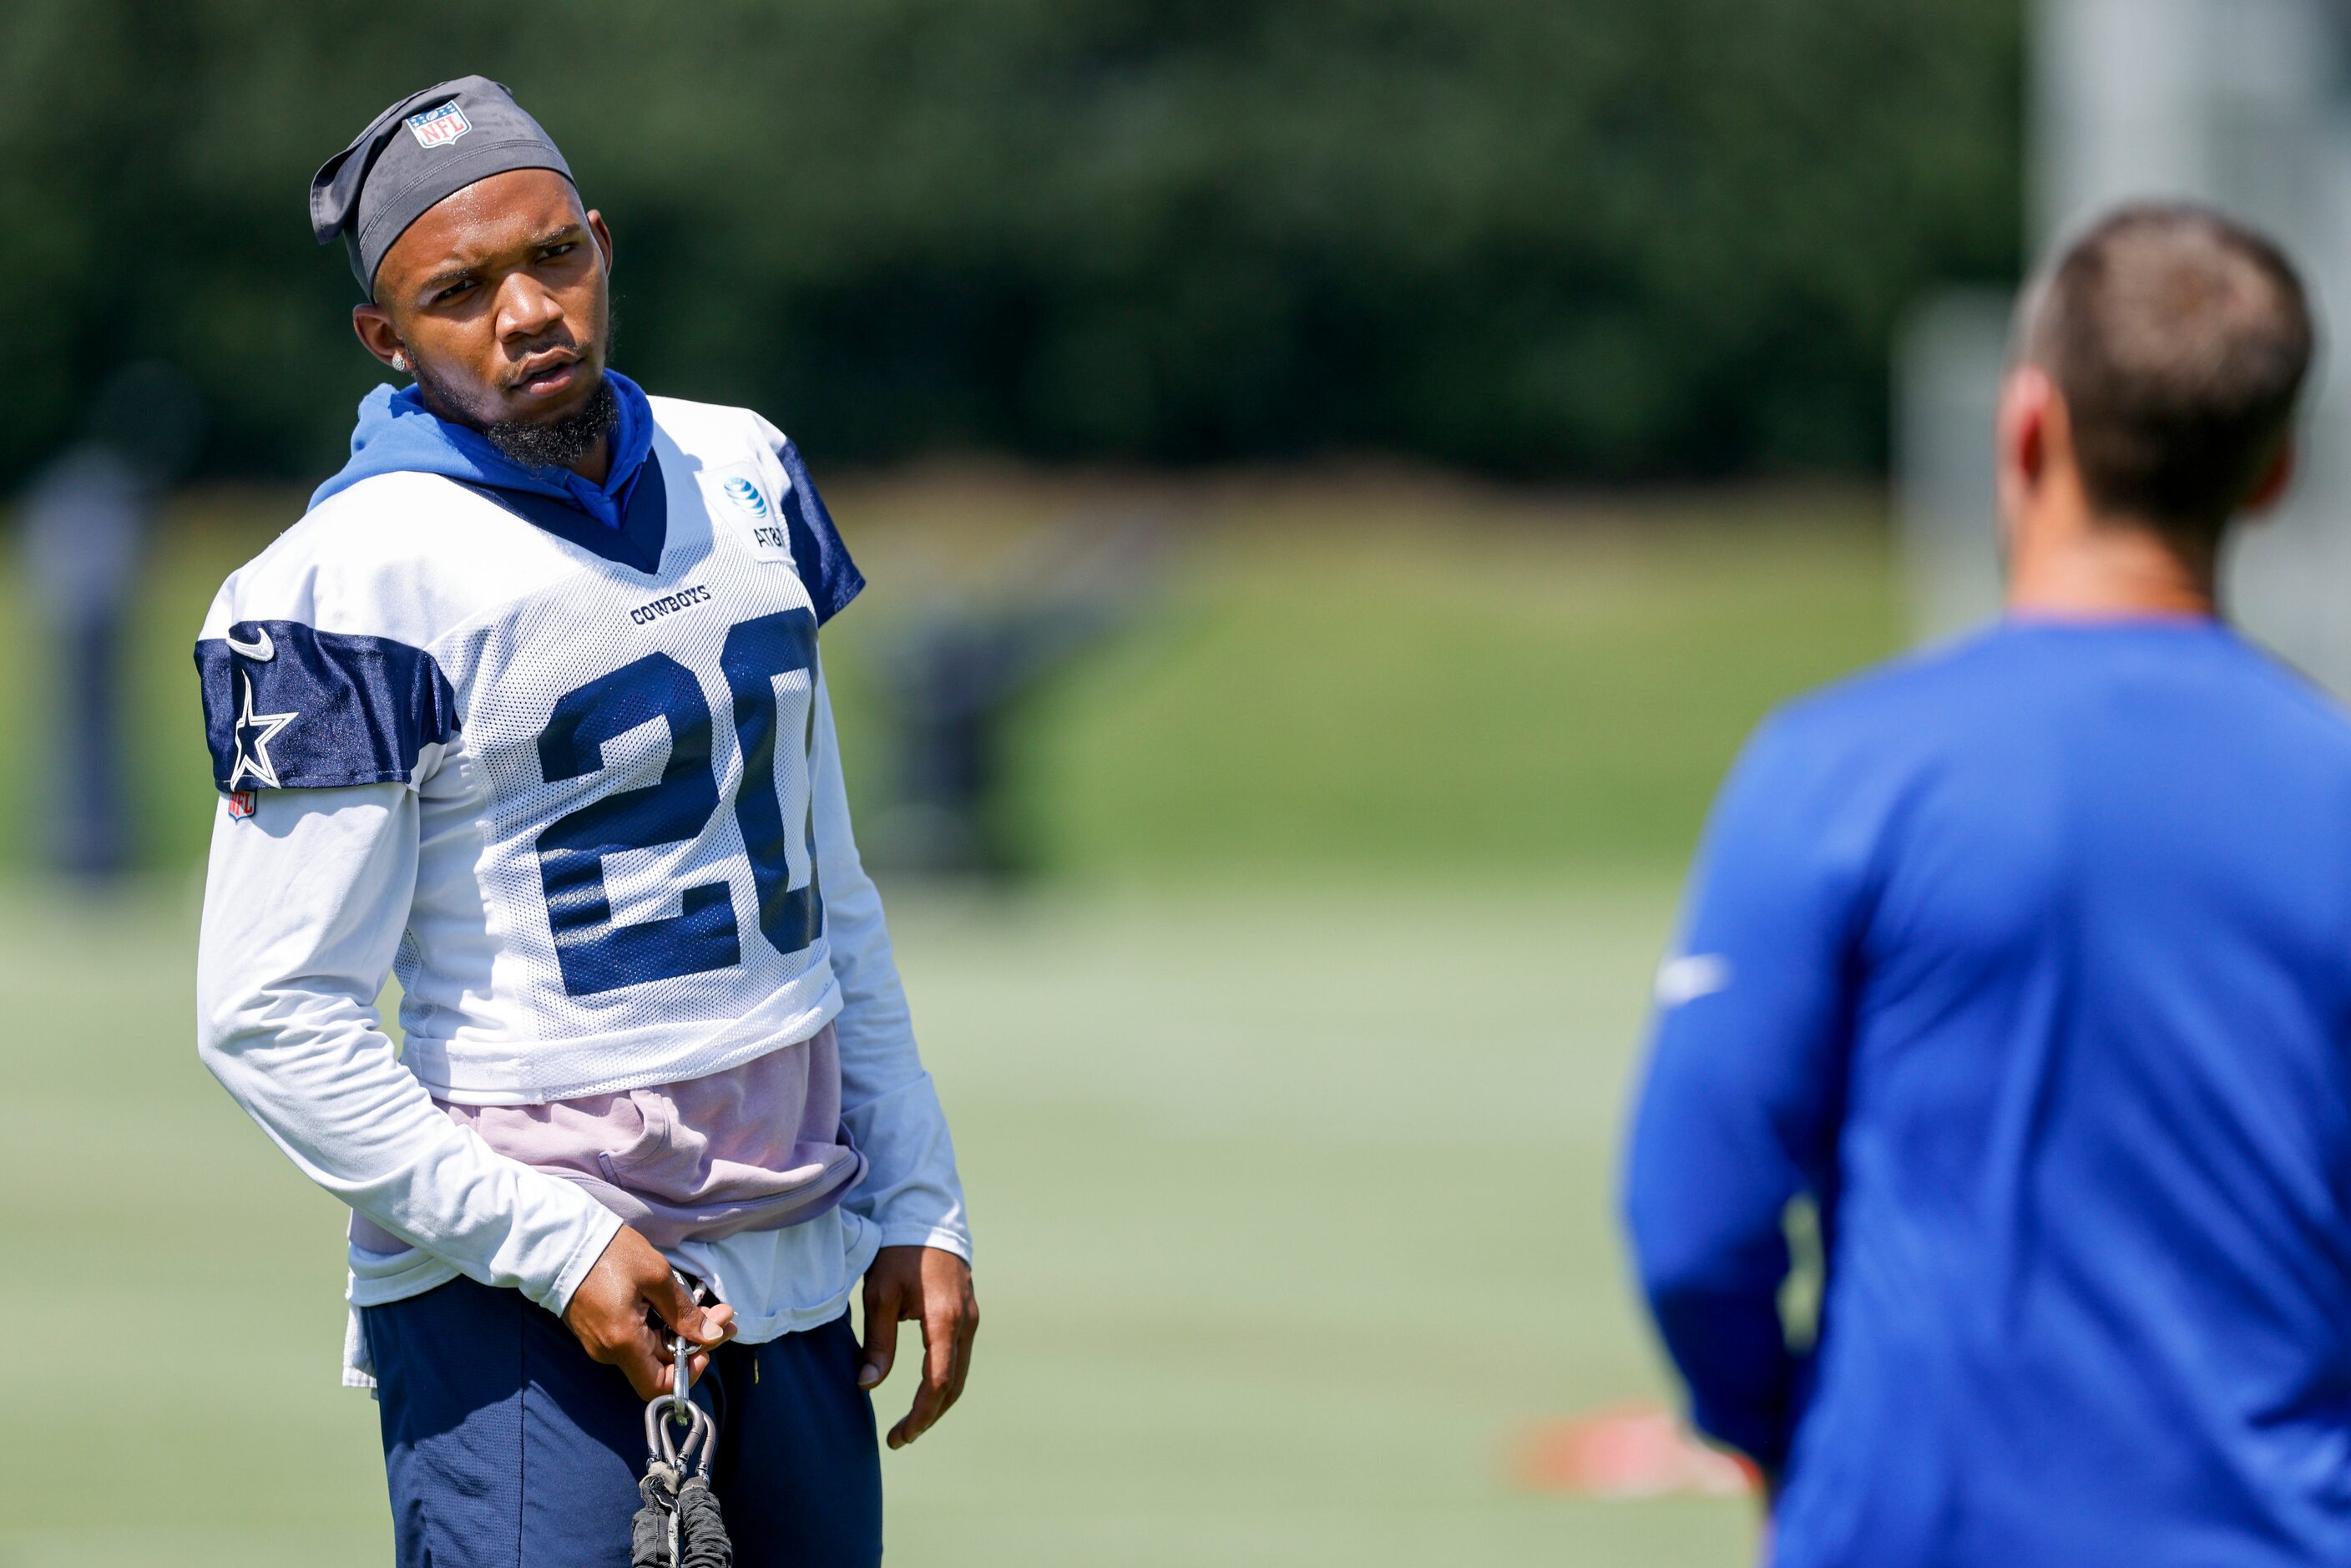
[290,707]
[831,579]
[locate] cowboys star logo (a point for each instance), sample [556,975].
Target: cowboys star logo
[254,734]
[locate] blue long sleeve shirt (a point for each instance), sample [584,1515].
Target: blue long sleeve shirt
[2030,962]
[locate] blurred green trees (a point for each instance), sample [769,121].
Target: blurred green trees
[1584,237]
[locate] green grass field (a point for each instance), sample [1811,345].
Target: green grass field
[1288,1108]
[1290,1214]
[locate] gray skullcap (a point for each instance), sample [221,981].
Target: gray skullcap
[426,148]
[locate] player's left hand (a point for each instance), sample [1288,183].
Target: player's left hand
[926,1285]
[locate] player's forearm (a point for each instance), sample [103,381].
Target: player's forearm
[911,1190]
[329,1091]
[892,1109]
[303,909]
[1707,1185]
[1712,1258]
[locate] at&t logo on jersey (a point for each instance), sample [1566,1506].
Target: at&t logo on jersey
[439,127]
[746,494]
[766,530]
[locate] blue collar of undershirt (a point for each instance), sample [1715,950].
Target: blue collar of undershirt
[397,434]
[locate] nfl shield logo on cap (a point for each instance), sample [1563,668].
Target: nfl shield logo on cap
[439,127]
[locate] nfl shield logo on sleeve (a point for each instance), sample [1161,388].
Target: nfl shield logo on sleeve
[240,804]
[439,127]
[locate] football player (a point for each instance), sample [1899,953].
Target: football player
[528,711]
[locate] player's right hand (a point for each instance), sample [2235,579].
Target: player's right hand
[615,1310]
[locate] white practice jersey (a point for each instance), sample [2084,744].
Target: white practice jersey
[578,786]
[609,733]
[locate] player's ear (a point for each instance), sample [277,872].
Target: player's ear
[2028,400]
[2270,487]
[603,235]
[2021,437]
[377,335]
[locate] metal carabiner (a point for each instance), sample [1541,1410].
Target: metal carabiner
[700,1448]
[681,1377]
[701,1445]
[681,1351]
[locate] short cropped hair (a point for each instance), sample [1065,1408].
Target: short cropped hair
[2179,340]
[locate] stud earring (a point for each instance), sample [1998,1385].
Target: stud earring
[400,363]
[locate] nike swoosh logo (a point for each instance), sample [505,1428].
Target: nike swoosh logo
[1691,976]
[262,651]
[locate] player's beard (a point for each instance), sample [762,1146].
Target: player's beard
[560,443]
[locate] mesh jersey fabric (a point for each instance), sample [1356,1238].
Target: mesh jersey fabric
[616,881]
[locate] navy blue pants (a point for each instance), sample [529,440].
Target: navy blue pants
[507,1448]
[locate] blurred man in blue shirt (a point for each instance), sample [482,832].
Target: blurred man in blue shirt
[2029,963]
